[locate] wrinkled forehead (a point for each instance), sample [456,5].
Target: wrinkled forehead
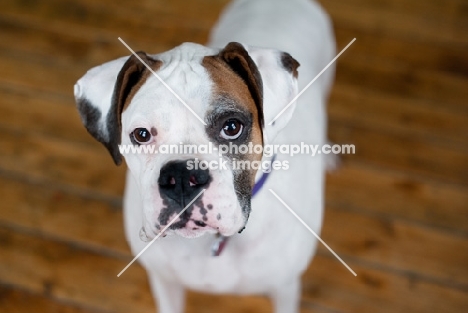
[178,75]
[182,66]
[190,73]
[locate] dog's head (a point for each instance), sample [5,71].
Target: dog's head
[236,91]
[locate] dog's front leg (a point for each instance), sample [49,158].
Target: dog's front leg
[286,297]
[169,296]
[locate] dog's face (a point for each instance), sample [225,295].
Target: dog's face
[232,90]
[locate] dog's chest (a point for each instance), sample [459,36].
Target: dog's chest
[242,268]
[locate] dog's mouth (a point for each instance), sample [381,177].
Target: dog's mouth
[217,247]
[192,229]
[195,232]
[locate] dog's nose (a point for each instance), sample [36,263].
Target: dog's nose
[181,184]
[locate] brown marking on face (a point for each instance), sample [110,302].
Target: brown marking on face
[228,82]
[153,131]
[240,62]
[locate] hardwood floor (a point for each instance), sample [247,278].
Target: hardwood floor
[396,211]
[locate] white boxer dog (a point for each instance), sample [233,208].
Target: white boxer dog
[234,236]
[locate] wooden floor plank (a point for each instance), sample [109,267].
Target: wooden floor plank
[419,54]
[86,18]
[61,162]
[413,25]
[64,215]
[398,194]
[352,105]
[56,44]
[442,11]
[35,74]
[50,115]
[377,74]
[108,14]
[417,156]
[88,46]
[329,283]
[71,274]
[398,245]
[20,301]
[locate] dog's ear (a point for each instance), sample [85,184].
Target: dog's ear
[279,76]
[102,93]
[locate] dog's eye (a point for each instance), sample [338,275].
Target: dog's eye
[141,135]
[232,129]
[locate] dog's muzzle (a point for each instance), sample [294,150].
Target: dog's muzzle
[181,184]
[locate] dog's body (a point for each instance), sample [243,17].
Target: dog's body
[269,256]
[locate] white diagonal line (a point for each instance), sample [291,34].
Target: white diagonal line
[310,229]
[160,233]
[162,82]
[313,80]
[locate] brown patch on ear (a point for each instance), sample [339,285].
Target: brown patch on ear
[235,74]
[290,64]
[130,78]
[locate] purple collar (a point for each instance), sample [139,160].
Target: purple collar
[221,241]
[258,185]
